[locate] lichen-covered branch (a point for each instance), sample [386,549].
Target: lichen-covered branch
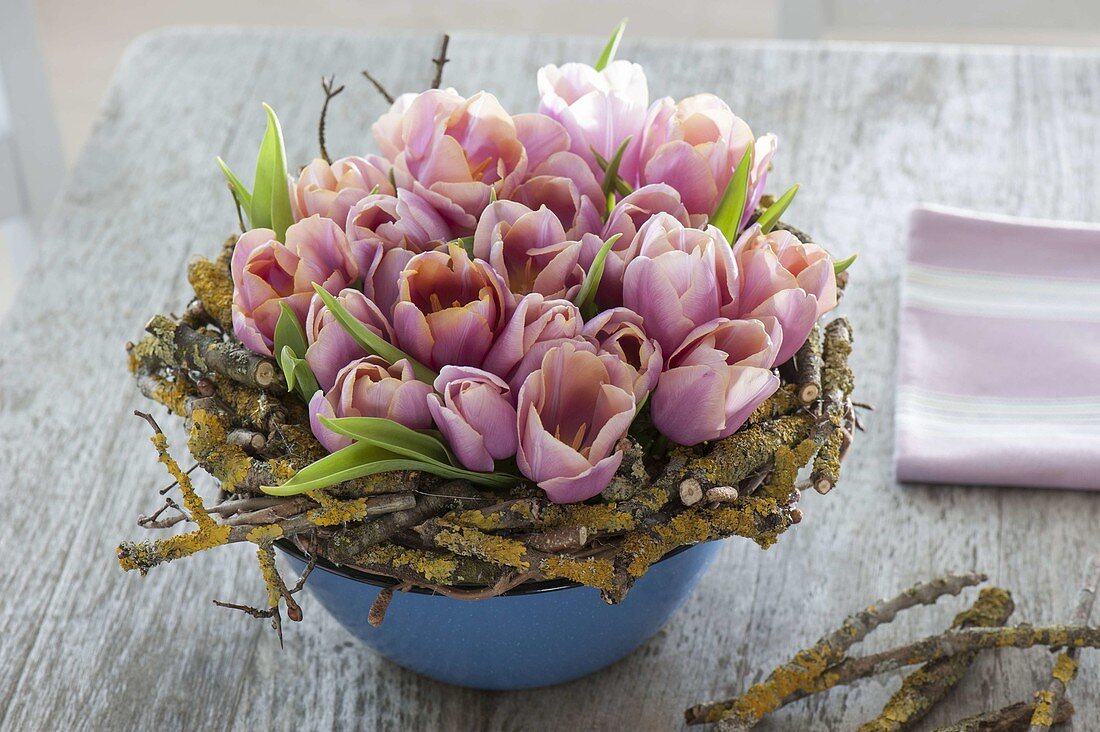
[515,554]
[185,347]
[761,519]
[349,545]
[214,287]
[808,363]
[1065,666]
[1013,718]
[923,688]
[803,672]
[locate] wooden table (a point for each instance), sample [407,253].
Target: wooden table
[867,130]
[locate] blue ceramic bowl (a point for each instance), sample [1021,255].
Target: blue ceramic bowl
[536,635]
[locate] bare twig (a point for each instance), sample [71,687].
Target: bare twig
[440,61]
[378,85]
[330,92]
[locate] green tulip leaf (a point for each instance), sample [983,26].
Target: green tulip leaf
[370,341]
[390,435]
[429,451]
[289,332]
[287,362]
[240,192]
[270,191]
[361,459]
[299,376]
[608,54]
[770,217]
[611,174]
[586,296]
[844,264]
[357,460]
[727,217]
[621,186]
[467,243]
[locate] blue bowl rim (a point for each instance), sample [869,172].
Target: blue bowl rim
[358,575]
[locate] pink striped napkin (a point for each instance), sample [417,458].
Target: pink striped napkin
[999,363]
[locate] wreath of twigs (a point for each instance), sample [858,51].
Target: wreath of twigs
[449,536]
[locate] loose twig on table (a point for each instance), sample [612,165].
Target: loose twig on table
[803,671]
[922,689]
[1065,667]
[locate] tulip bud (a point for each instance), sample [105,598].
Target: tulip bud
[572,412]
[369,387]
[787,279]
[331,348]
[714,381]
[449,308]
[267,272]
[474,411]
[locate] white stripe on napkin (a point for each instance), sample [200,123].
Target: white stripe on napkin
[992,295]
[1023,413]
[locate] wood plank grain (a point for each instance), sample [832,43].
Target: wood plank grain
[867,130]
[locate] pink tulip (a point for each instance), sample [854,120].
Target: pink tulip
[619,332]
[787,279]
[629,214]
[694,145]
[542,137]
[474,411]
[537,325]
[378,224]
[267,272]
[714,381]
[331,348]
[566,186]
[572,412]
[449,308]
[453,151]
[404,221]
[680,279]
[330,190]
[383,281]
[599,109]
[369,387]
[529,249]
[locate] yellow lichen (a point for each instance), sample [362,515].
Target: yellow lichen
[265,534]
[783,401]
[601,517]
[207,442]
[1044,709]
[523,510]
[787,463]
[334,511]
[593,572]
[432,566]
[143,556]
[213,287]
[736,457]
[471,542]
[1065,668]
[266,556]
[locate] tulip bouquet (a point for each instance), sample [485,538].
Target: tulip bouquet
[506,348]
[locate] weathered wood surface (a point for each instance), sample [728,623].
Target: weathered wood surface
[868,131]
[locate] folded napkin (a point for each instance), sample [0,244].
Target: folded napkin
[999,363]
